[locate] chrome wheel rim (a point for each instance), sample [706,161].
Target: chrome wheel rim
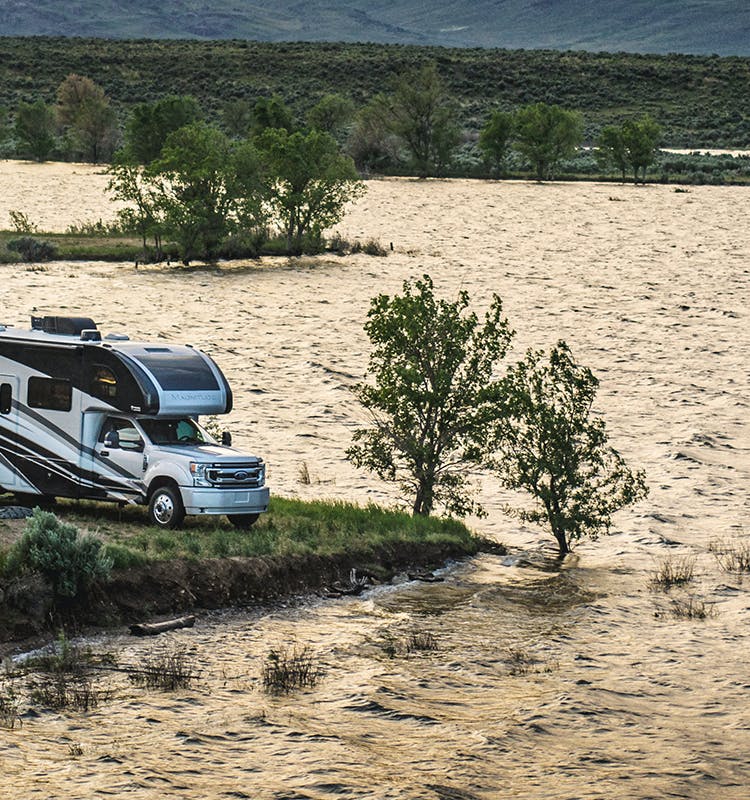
[163,509]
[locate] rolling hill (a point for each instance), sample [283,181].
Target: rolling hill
[639,26]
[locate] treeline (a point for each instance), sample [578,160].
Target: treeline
[699,101]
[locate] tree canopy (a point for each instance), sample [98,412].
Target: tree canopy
[546,134]
[431,371]
[89,121]
[544,440]
[308,182]
[632,145]
[150,124]
[422,114]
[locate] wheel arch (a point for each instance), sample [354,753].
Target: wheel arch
[159,482]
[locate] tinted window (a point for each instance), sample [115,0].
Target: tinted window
[50,393]
[128,435]
[6,397]
[179,372]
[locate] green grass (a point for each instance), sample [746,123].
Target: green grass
[291,527]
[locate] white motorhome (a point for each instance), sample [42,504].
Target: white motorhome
[109,419]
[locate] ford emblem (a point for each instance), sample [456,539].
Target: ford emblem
[240,476]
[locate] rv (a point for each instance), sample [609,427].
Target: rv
[110,419]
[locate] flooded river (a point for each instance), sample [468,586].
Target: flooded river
[541,680]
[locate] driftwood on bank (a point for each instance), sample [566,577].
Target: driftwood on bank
[154,628]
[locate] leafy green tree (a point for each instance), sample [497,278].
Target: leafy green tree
[308,182]
[371,143]
[423,116]
[610,149]
[271,112]
[84,111]
[432,385]
[197,188]
[129,184]
[237,118]
[632,145]
[543,440]
[35,130]
[331,114]
[546,134]
[150,124]
[641,138]
[494,140]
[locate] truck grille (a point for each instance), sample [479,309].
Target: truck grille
[233,476]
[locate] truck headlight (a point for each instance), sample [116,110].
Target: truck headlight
[198,471]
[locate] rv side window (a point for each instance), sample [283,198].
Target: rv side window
[104,384]
[6,396]
[51,393]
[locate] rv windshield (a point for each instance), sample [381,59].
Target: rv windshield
[176,431]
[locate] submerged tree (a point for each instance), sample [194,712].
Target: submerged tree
[641,138]
[422,114]
[546,134]
[494,140]
[544,441]
[432,381]
[308,182]
[84,112]
[632,145]
[35,130]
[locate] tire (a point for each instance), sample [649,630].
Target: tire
[165,508]
[243,521]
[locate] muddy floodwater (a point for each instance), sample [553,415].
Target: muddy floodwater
[544,681]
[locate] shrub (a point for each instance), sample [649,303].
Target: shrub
[62,690]
[287,669]
[21,222]
[732,556]
[69,563]
[167,671]
[673,572]
[691,607]
[31,249]
[8,707]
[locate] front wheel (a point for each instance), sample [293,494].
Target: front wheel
[165,509]
[243,521]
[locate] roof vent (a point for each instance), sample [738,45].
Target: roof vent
[117,337]
[91,335]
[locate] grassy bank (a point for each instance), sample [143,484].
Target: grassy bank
[297,547]
[290,528]
[99,244]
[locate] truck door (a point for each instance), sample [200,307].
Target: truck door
[120,454]
[8,430]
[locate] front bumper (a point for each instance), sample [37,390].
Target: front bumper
[199,500]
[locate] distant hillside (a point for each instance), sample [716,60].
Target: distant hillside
[700,101]
[641,26]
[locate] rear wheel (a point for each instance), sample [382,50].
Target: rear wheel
[243,521]
[165,509]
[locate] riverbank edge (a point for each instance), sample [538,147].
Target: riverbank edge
[163,588]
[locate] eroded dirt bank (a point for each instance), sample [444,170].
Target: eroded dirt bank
[174,586]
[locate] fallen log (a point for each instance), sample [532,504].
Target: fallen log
[154,628]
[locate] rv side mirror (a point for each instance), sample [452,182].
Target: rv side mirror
[226,438]
[112,440]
